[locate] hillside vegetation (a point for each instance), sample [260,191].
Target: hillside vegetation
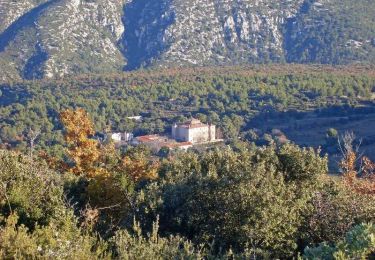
[271,202]
[248,103]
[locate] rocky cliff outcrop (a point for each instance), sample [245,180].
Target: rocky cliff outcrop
[53,38]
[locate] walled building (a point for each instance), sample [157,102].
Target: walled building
[122,137]
[157,142]
[194,131]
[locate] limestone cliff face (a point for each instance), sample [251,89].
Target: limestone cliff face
[81,36]
[59,37]
[228,31]
[53,38]
[203,32]
[11,10]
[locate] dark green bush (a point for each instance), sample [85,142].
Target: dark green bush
[29,189]
[237,200]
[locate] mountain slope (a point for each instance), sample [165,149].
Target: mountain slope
[60,37]
[53,38]
[335,32]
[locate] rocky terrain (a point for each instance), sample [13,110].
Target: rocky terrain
[53,38]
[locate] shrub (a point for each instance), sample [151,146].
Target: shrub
[136,246]
[29,189]
[35,221]
[237,200]
[359,243]
[336,209]
[58,240]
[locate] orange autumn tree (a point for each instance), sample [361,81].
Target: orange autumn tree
[360,179]
[92,160]
[139,169]
[111,178]
[82,150]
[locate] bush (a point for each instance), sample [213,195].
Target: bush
[336,209]
[128,246]
[359,243]
[29,189]
[35,222]
[237,200]
[58,240]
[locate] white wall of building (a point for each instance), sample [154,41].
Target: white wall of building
[116,137]
[202,134]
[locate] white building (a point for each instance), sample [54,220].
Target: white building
[116,137]
[194,131]
[135,118]
[154,142]
[122,137]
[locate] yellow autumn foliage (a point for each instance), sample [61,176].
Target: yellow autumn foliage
[83,150]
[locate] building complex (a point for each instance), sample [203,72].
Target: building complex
[194,131]
[183,136]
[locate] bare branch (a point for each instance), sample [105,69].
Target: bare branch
[32,135]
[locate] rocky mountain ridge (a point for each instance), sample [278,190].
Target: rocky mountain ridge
[53,38]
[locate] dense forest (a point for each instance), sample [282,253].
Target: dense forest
[250,104]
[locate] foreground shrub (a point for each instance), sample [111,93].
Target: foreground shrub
[335,210]
[29,189]
[35,221]
[58,240]
[264,203]
[152,247]
[237,200]
[359,243]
